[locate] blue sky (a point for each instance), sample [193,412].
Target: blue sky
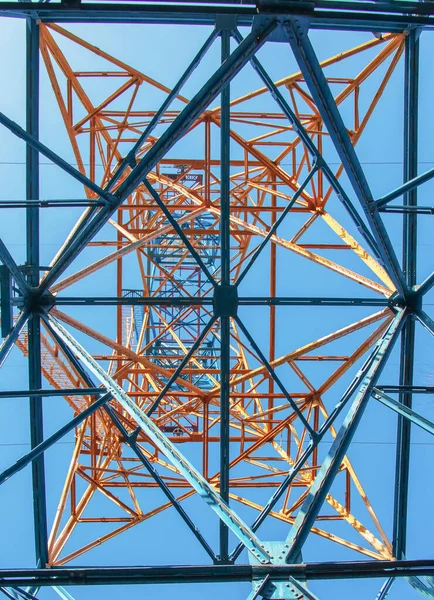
[163,53]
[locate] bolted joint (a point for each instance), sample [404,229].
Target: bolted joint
[225,301]
[412,301]
[36,302]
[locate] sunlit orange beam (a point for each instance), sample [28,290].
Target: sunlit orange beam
[274,193]
[359,250]
[123,88]
[372,339]
[64,496]
[97,542]
[311,220]
[72,521]
[105,492]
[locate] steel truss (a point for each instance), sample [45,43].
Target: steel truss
[186,368]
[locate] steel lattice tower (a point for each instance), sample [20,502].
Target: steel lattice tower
[255,293]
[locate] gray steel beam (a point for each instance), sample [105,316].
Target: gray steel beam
[225,324]
[76,576]
[403,410]
[208,301]
[354,15]
[34,332]
[48,392]
[411,84]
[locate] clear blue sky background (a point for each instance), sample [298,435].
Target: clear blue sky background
[163,53]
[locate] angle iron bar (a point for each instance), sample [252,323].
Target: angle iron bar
[330,466]
[52,392]
[425,320]
[405,187]
[409,250]
[424,589]
[49,203]
[64,594]
[157,437]
[9,594]
[403,410]
[323,98]
[257,588]
[323,14]
[222,76]
[416,389]
[135,301]
[225,280]
[420,210]
[426,285]
[34,365]
[208,301]
[307,594]
[25,594]
[385,589]
[55,158]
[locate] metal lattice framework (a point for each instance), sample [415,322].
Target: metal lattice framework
[200,396]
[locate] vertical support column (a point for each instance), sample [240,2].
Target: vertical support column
[409,269]
[225,280]
[32,258]
[272,342]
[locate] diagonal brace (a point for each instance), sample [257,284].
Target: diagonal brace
[323,98]
[403,410]
[326,475]
[157,437]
